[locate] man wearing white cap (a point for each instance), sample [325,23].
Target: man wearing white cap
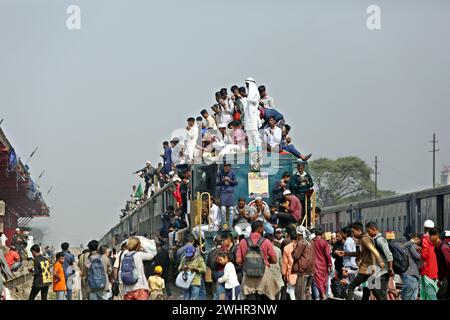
[252,120]
[293,209]
[221,138]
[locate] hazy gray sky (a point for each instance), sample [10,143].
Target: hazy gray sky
[99,101]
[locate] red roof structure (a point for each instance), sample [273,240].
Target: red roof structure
[22,199]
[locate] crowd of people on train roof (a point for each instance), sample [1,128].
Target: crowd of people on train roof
[247,118]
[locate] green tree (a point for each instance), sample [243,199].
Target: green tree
[343,180]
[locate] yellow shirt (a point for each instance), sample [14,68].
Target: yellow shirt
[156,283]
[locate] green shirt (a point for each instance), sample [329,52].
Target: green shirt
[197,265]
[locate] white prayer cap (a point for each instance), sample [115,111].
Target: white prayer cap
[447,233]
[286,192]
[428,224]
[333,234]
[258,198]
[250,80]
[222,125]
[148,163]
[18,229]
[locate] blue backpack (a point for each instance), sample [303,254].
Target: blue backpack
[128,270]
[96,276]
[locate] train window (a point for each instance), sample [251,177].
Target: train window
[404,223]
[382,224]
[393,224]
[399,224]
[205,179]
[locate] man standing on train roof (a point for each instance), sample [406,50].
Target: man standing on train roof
[301,185]
[192,137]
[167,158]
[175,150]
[265,101]
[226,181]
[210,122]
[224,111]
[252,120]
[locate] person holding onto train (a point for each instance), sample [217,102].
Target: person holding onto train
[226,181]
[301,185]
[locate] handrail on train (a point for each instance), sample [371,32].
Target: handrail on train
[198,214]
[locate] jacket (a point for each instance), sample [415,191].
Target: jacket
[368,255]
[304,257]
[429,266]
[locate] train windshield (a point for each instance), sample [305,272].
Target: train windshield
[205,179]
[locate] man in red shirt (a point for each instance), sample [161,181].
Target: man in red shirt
[293,207]
[257,288]
[13,259]
[429,270]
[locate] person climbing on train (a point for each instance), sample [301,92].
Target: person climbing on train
[167,158]
[226,181]
[301,185]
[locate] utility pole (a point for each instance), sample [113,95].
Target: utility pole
[434,158]
[376,177]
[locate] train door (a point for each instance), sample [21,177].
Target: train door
[440,211]
[409,222]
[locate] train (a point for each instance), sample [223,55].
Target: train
[401,214]
[256,172]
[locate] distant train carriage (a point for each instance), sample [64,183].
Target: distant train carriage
[402,214]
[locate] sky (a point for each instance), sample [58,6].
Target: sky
[99,101]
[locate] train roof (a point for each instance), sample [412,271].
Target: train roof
[389,200]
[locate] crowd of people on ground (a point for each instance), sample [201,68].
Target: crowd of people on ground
[290,263]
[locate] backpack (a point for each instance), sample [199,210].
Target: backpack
[96,279]
[400,258]
[128,272]
[254,265]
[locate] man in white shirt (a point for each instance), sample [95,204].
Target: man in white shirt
[175,146]
[210,122]
[3,239]
[214,220]
[221,138]
[252,121]
[192,137]
[226,105]
[272,136]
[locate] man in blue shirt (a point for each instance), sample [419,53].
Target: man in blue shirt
[69,271]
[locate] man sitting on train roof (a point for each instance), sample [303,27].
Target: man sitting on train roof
[235,143]
[272,136]
[286,144]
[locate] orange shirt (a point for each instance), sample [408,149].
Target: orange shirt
[59,272]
